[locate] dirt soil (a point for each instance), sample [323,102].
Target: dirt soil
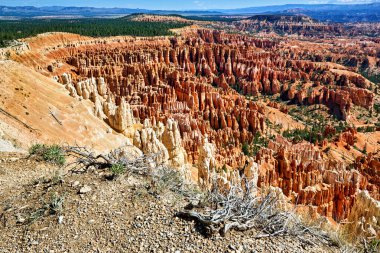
[123,215]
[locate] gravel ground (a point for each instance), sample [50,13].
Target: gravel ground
[108,216]
[7,146]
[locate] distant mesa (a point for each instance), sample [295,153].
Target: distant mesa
[283,18]
[323,12]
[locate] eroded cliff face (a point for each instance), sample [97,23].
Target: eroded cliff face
[191,99]
[304,26]
[308,179]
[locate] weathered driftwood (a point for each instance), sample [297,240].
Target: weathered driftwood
[236,208]
[85,159]
[241,210]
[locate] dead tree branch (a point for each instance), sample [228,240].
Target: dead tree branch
[240,209]
[55,117]
[85,159]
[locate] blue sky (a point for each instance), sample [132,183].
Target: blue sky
[170,4]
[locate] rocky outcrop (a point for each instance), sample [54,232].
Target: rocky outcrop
[251,66]
[299,170]
[159,83]
[363,220]
[369,167]
[361,97]
[303,26]
[251,172]
[163,140]
[206,163]
[185,99]
[148,140]
[171,138]
[120,118]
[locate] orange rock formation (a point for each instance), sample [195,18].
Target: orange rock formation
[187,94]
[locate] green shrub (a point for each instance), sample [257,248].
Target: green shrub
[367,129]
[36,149]
[374,245]
[52,154]
[245,149]
[53,206]
[365,149]
[376,107]
[259,142]
[117,169]
[297,135]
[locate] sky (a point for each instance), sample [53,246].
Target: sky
[171,4]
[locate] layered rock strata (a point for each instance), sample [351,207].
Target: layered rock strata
[185,98]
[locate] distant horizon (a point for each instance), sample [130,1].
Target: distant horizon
[174,5]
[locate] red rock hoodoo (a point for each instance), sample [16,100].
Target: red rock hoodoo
[203,82]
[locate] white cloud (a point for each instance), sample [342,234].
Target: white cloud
[199,4]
